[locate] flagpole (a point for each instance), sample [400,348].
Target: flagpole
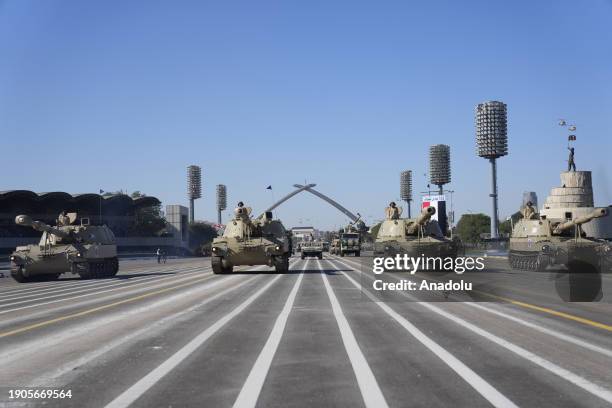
[272,193]
[100,214]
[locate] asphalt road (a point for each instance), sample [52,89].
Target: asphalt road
[177,335]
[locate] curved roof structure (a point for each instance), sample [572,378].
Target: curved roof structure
[19,194]
[59,200]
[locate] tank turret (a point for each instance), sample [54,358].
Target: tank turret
[537,243]
[597,213]
[26,221]
[422,219]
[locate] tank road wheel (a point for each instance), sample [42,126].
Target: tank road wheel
[512,261]
[111,267]
[19,275]
[99,270]
[282,264]
[541,263]
[114,266]
[215,262]
[217,266]
[532,263]
[92,270]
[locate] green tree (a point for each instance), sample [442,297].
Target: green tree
[470,226]
[506,226]
[200,234]
[149,222]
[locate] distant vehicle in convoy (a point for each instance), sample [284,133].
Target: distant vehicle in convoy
[350,239]
[325,246]
[350,244]
[334,248]
[538,242]
[246,241]
[312,249]
[87,250]
[413,236]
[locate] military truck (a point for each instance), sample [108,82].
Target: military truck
[350,238]
[325,246]
[246,241]
[87,250]
[350,243]
[413,236]
[538,242]
[312,248]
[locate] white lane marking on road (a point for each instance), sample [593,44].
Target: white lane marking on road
[370,391]
[46,288]
[139,285]
[553,333]
[144,332]
[575,379]
[33,287]
[30,347]
[89,285]
[144,384]
[254,383]
[138,334]
[481,386]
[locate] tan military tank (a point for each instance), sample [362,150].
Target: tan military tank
[538,242]
[87,250]
[246,241]
[415,237]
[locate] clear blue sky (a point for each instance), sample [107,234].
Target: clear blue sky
[346,94]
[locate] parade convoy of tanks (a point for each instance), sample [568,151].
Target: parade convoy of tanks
[90,251]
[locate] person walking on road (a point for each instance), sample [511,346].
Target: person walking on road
[158,253]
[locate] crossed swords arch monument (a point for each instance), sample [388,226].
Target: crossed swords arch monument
[310,188]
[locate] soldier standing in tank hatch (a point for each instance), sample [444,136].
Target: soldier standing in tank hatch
[528,211]
[241,211]
[393,212]
[570,162]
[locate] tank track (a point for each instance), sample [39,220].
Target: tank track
[18,275]
[107,268]
[217,266]
[536,262]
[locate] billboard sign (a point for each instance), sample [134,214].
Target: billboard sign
[439,203]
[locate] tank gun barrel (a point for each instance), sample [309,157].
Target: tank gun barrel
[422,219]
[597,213]
[26,221]
[356,220]
[353,225]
